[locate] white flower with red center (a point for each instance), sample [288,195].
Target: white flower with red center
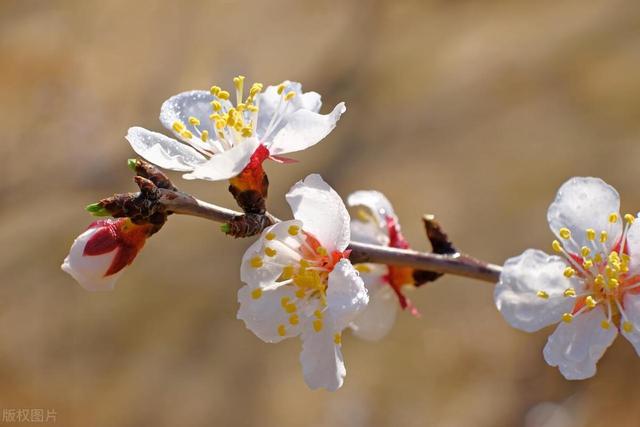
[376,223]
[216,139]
[592,285]
[299,281]
[99,255]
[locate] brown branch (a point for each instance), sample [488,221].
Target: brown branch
[456,264]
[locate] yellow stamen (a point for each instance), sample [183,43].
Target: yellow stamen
[194,121]
[215,90]
[599,280]
[204,136]
[598,258]
[567,317]
[591,234]
[290,308]
[178,126]
[293,319]
[629,218]
[565,233]
[216,105]
[557,247]
[287,272]
[223,94]
[569,272]
[317,325]
[280,88]
[569,292]
[627,327]
[186,134]
[293,230]
[300,293]
[289,96]
[256,293]
[318,314]
[256,262]
[613,218]
[613,283]
[587,264]
[270,235]
[282,330]
[337,338]
[270,252]
[585,251]
[603,236]
[284,301]
[543,294]
[605,324]
[590,302]
[321,251]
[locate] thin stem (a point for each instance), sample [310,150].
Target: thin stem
[458,265]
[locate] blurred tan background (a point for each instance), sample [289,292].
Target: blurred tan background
[474,111]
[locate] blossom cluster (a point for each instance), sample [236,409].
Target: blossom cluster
[298,278]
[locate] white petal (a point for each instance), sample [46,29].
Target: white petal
[89,271]
[265,316]
[576,347]
[270,100]
[583,203]
[272,266]
[369,225]
[377,319]
[321,211]
[522,277]
[321,358]
[633,247]
[194,103]
[304,129]
[346,294]
[163,151]
[631,305]
[227,164]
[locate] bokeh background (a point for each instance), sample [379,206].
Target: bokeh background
[473,111]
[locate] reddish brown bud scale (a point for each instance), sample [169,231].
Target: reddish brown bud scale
[250,188]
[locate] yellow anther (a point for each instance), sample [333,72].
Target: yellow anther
[300,293]
[613,283]
[238,82]
[603,236]
[287,272]
[216,105]
[585,251]
[220,125]
[304,264]
[270,252]
[569,272]
[241,107]
[337,338]
[256,293]
[186,134]
[627,327]
[569,292]
[318,314]
[294,230]
[256,262]
[256,88]
[317,325]
[282,330]
[613,218]
[565,233]
[247,132]
[231,120]
[590,302]
[290,308]
[557,247]
[605,324]
[284,301]
[543,294]
[221,134]
[252,108]
[599,280]
[363,268]
[280,88]
[294,319]
[598,258]
[321,251]
[223,94]
[270,235]
[194,121]
[587,264]
[629,218]
[567,317]
[178,126]
[289,96]
[204,135]
[215,90]
[591,234]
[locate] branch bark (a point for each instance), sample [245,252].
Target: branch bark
[455,264]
